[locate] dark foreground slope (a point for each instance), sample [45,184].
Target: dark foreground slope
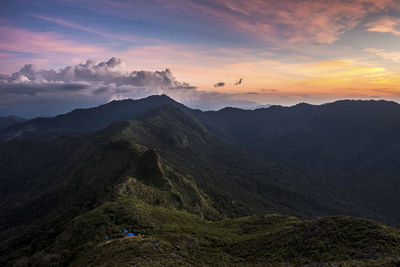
[128,186]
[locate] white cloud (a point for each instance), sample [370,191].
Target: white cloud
[390,55]
[110,72]
[95,83]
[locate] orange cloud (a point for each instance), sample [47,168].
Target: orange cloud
[393,56]
[385,25]
[295,22]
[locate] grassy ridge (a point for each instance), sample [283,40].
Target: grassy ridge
[173,237]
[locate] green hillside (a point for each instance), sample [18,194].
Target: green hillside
[171,237]
[198,195]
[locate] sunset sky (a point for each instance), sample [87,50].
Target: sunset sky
[220,52]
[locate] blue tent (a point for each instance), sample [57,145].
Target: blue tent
[131,234]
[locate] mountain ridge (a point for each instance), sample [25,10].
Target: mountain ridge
[62,194]
[81,121]
[130,109]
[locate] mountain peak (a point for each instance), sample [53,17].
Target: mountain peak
[162,97]
[88,120]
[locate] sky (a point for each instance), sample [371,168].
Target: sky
[62,54]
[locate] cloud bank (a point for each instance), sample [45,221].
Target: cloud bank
[111,73]
[32,92]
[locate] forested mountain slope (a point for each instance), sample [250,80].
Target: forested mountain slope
[186,178]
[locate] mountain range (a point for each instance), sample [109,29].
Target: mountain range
[197,185]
